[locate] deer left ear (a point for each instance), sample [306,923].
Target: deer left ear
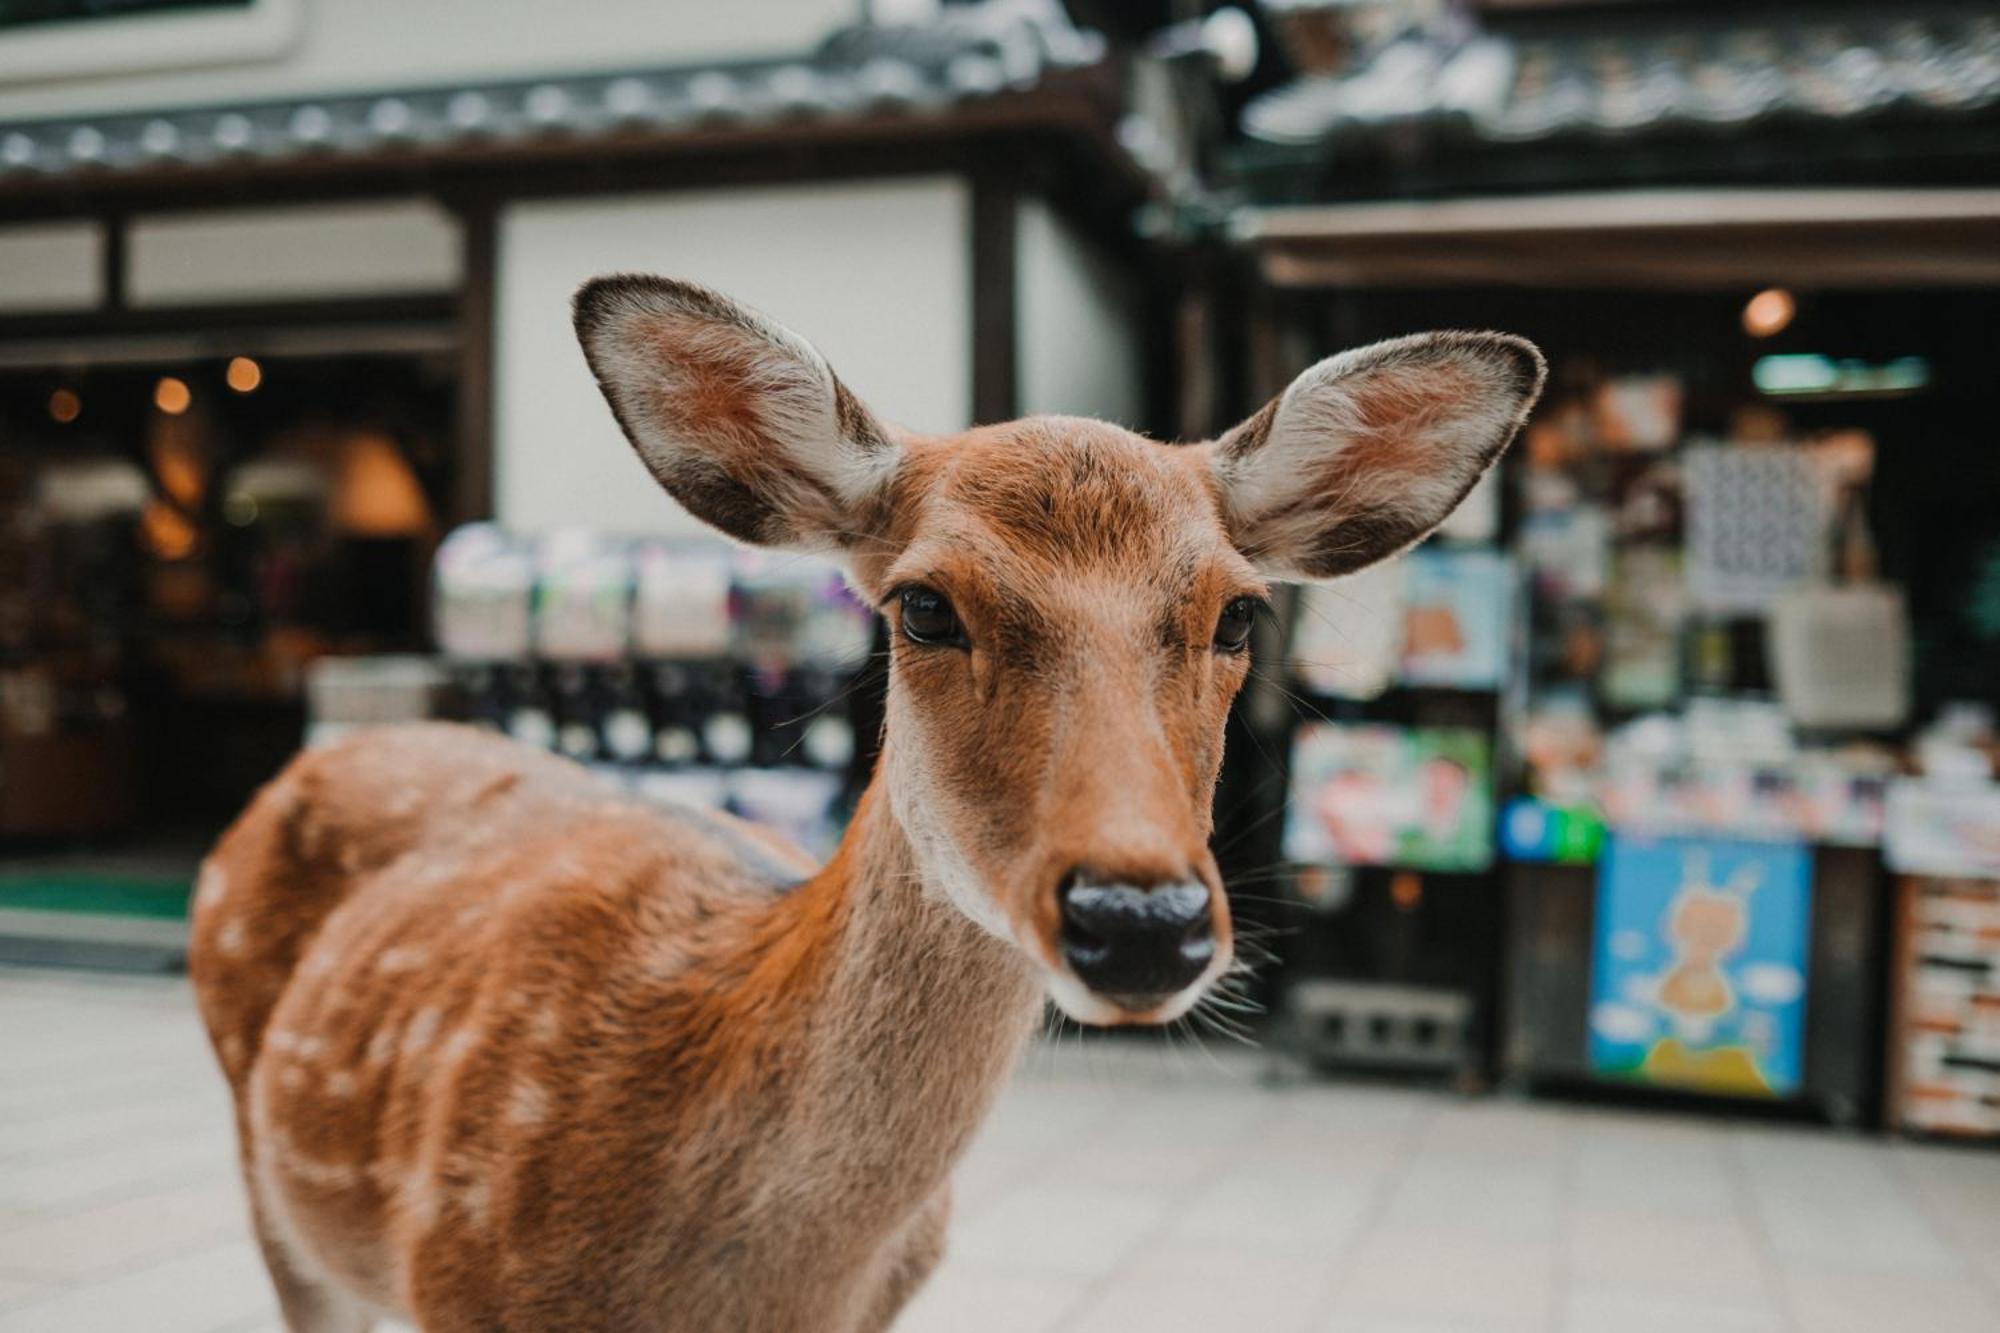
[739,418]
[1366,452]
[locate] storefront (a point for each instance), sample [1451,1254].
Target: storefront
[1592,791]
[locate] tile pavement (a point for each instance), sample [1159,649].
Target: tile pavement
[1118,1187]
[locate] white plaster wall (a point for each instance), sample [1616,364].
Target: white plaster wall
[875,274]
[293,253]
[361,45]
[1078,351]
[51,266]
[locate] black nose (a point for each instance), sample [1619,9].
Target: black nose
[1132,943]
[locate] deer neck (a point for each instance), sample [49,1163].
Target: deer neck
[917,1013]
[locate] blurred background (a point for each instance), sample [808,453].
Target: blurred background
[1633,845]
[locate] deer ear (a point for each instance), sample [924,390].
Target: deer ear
[1368,451]
[737,417]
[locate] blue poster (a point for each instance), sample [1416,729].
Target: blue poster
[1698,979]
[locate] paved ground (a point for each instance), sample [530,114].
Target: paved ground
[1118,1188]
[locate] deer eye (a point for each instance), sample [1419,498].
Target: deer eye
[1232,631]
[928,619]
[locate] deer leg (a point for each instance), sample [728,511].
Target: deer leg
[309,1305]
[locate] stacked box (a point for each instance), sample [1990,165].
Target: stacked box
[1946,1052]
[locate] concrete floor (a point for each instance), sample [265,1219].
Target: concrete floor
[1120,1187]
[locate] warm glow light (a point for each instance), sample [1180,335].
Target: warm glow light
[375,493]
[1768,312]
[166,531]
[64,406]
[172,396]
[243,374]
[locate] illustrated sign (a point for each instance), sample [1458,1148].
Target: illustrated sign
[1698,978]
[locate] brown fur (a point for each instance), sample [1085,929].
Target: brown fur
[512,1051]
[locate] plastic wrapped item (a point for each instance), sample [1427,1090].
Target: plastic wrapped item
[484,610]
[583,598]
[791,611]
[1347,635]
[1943,829]
[681,602]
[1841,656]
[343,693]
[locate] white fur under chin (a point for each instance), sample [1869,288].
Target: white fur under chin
[941,865]
[1086,1006]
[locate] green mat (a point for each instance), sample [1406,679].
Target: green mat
[165,898]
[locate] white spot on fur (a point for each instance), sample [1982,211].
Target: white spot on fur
[232,1052]
[211,887]
[663,957]
[422,1030]
[545,1027]
[382,1046]
[341,1084]
[232,939]
[458,1045]
[528,1103]
[399,958]
[475,1199]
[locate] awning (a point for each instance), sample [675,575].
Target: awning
[1638,239]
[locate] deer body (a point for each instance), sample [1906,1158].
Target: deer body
[511,1051]
[575,1063]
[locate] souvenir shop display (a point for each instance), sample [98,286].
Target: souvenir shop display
[1698,974]
[1943,828]
[1636,413]
[1699,767]
[1841,656]
[1347,635]
[1759,524]
[687,671]
[1457,617]
[1944,1046]
[1537,830]
[1368,794]
[1643,613]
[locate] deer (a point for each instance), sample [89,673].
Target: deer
[510,1049]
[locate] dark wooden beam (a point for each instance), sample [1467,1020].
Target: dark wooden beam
[472,464]
[225,320]
[995,299]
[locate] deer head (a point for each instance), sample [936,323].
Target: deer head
[1070,603]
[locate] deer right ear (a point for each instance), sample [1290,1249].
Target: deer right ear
[737,417]
[1368,451]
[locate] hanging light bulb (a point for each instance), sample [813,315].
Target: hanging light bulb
[172,396]
[1769,312]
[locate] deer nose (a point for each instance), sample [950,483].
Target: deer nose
[1136,945]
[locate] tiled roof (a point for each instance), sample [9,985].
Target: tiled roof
[859,73]
[1596,78]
